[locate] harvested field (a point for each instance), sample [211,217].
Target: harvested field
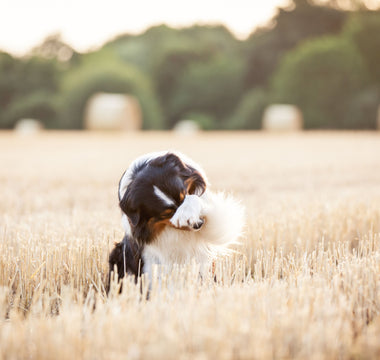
[304,283]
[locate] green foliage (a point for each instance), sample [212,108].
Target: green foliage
[37,73]
[24,84]
[205,121]
[362,109]
[141,50]
[211,87]
[38,105]
[168,54]
[112,77]
[8,82]
[249,111]
[168,74]
[363,30]
[321,76]
[290,27]
[147,50]
[321,58]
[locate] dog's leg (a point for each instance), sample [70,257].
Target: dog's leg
[126,256]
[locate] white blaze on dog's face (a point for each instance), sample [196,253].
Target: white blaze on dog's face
[162,196]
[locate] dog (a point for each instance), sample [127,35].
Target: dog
[171,217]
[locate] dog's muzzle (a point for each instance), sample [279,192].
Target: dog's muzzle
[198,224]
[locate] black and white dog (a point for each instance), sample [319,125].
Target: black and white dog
[170,217]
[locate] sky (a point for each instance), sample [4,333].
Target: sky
[87,24]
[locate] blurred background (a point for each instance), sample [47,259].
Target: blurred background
[213,66]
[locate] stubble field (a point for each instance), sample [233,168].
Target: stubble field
[303,283]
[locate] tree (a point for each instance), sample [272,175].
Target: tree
[363,29]
[27,89]
[8,81]
[321,77]
[168,74]
[107,76]
[249,111]
[212,87]
[353,5]
[167,55]
[53,47]
[290,27]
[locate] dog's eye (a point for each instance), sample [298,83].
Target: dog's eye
[168,213]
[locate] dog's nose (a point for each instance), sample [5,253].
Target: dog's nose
[199,224]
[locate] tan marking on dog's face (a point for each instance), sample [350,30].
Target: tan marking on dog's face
[182,196]
[158,226]
[168,213]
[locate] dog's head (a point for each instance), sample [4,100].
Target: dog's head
[157,187]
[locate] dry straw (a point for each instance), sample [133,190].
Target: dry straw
[303,284]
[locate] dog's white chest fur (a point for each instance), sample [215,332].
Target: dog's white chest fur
[174,246]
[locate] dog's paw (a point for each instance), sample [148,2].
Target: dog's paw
[189,214]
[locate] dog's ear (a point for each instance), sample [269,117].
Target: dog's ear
[134,217]
[195,182]
[126,206]
[169,159]
[193,179]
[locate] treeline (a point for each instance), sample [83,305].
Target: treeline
[322,59]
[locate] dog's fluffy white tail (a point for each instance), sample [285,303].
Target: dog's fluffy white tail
[225,219]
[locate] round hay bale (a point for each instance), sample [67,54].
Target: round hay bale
[28,126]
[279,117]
[186,127]
[106,111]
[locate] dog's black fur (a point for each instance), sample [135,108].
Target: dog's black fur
[147,215]
[126,255]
